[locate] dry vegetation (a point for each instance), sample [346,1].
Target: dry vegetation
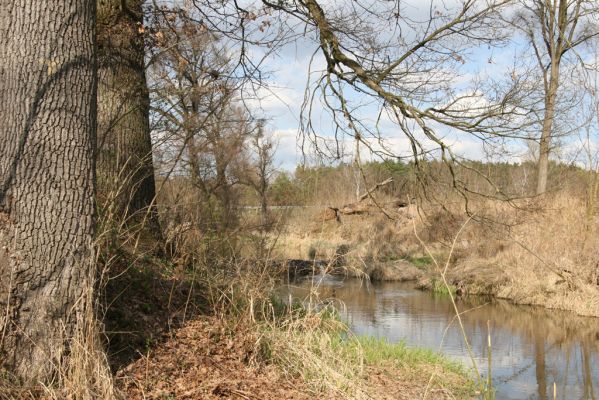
[545,258]
[198,317]
[535,250]
[162,184]
[226,334]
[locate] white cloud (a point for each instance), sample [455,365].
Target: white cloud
[287,154]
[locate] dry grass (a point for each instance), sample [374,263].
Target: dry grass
[537,251]
[368,240]
[85,375]
[254,346]
[541,253]
[304,345]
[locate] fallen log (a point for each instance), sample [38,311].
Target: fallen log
[360,208]
[354,208]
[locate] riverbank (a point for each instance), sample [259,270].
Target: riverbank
[208,333]
[206,359]
[225,333]
[535,252]
[532,347]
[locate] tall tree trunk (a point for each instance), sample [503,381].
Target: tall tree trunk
[547,132]
[47,138]
[125,167]
[226,215]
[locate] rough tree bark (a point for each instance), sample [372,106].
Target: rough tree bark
[125,166]
[47,138]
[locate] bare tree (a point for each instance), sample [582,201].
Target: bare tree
[589,112]
[261,169]
[48,114]
[554,28]
[213,165]
[378,56]
[200,124]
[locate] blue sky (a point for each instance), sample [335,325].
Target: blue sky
[288,76]
[281,104]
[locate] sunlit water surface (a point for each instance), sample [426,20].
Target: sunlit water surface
[532,347]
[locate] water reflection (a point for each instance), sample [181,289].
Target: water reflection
[533,347]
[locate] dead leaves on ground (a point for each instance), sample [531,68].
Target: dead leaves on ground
[205,360]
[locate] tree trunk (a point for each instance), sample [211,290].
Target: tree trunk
[547,132]
[226,215]
[264,210]
[125,166]
[47,137]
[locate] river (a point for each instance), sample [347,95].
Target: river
[532,347]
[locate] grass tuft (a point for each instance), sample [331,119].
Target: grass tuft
[420,262]
[379,350]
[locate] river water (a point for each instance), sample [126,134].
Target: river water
[532,347]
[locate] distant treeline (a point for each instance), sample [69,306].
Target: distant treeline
[336,184]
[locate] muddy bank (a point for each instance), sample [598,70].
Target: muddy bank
[399,271]
[483,278]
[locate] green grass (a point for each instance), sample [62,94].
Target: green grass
[331,358]
[319,347]
[409,364]
[420,262]
[377,351]
[439,288]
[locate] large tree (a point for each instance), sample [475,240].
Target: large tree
[125,168]
[403,65]
[47,138]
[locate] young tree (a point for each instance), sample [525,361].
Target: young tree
[261,169]
[124,163]
[47,137]
[553,29]
[589,112]
[214,157]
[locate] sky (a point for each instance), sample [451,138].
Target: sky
[288,76]
[281,103]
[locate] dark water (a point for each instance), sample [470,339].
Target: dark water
[532,347]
